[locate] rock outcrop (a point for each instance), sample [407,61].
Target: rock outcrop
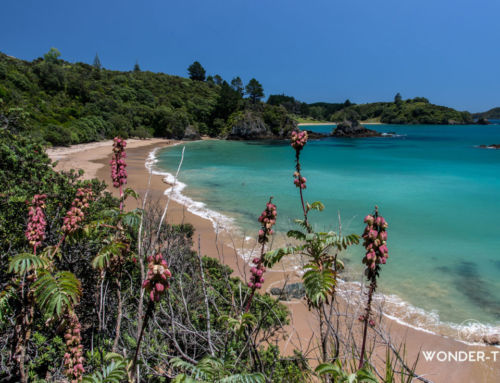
[493,146]
[250,126]
[482,121]
[289,292]
[352,129]
[191,134]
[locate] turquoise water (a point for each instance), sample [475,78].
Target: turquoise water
[438,191]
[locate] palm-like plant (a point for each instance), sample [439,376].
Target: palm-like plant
[321,250]
[340,375]
[212,370]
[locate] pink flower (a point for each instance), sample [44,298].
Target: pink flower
[75,214]
[35,232]
[298,140]
[73,358]
[268,220]
[369,219]
[118,165]
[375,239]
[157,277]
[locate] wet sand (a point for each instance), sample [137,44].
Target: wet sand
[94,158]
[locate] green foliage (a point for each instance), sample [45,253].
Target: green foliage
[69,103]
[48,349]
[340,375]
[114,372]
[25,262]
[212,370]
[319,282]
[254,90]
[196,72]
[492,114]
[237,85]
[413,111]
[57,293]
[5,296]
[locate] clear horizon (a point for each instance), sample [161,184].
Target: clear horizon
[361,51]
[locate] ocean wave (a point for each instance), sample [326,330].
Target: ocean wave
[470,332]
[174,191]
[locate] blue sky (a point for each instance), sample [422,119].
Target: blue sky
[317,50]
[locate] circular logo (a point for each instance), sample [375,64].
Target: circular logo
[471,330]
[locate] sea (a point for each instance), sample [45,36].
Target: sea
[439,191]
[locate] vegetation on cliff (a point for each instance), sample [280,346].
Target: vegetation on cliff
[412,111]
[492,114]
[66,103]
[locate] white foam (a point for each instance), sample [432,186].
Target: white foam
[219,221]
[404,313]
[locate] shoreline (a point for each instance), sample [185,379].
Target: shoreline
[335,123]
[94,157]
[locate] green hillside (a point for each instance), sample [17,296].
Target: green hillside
[492,114]
[412,111]
[67,103]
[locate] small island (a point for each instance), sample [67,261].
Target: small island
[353,129]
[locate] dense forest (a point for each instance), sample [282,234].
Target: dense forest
[63,103]
[413,111]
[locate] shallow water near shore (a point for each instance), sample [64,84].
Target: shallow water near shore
[436,188]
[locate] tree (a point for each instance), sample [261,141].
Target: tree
[237,85]
[137,68]
[398,99]
[254,90]
[218,79]
[97,62]
[52,56]
[196,72]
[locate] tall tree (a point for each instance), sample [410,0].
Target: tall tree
[196,72]
[398,99]
[97,62]
[254,90]
[137,68]
[218,79]
[52,56]
[237,85]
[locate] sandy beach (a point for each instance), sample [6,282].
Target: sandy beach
[93,158]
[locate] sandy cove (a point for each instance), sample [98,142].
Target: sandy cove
[94,158]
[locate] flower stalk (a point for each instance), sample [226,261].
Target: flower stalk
[267,220]
[375,243]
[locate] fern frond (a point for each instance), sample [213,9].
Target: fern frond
[274,256]
[55,294]
[318,283]
[114,372]
[195,372]
[25,262]
[244,378]
[131,219]
[103,258]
